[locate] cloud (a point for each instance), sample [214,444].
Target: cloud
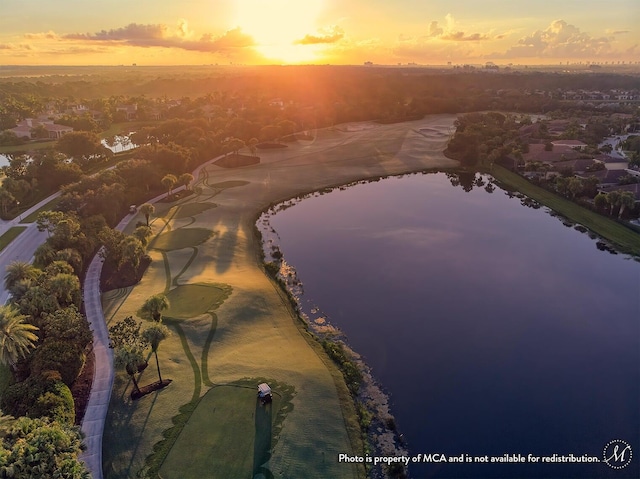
[159,35]
[435,30]
[559,40]
[14,47]
[461,37]
[617,32]
[333,35]
[448,32]
[50,35]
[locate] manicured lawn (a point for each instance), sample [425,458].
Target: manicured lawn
[628,240]
[193,209]
[190,300]
[27,147]
[10,235]
[126,127]
[181,238]
[230,434]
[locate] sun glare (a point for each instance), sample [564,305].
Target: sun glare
[276,25]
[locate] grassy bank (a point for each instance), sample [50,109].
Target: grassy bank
[627,240]
[10,235]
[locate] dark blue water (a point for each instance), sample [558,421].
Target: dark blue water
[495,328]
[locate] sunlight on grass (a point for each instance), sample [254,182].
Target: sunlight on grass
[182,238]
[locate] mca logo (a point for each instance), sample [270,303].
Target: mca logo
[617,454]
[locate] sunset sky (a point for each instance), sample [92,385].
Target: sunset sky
[171,32]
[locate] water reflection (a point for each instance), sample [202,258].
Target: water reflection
[495,329]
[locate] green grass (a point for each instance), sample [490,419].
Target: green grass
[49,206]
[229,434]
[10,235]
[182,238]
[626,239]
[190,300]
[27,147]
[126,127]
[193,209]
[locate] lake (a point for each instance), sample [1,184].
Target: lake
[495,328]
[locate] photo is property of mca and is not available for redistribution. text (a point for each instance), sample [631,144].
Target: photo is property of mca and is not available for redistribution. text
[616,454]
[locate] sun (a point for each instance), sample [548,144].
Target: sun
[277,24]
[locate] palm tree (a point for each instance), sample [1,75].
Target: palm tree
[147,210]
[185,179]
[65,288]
[154,335]
[626,200]
[155,305]
[129,357]
[613,197]
[168,181]
[19,270]
[16,336]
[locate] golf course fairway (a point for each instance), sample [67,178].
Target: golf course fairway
[232,327]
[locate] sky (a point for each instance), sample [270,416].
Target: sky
[426,32]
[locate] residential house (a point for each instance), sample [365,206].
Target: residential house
[25,128]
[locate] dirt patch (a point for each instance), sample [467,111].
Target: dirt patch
[237,161]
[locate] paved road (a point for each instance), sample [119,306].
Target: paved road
[23,246]
[96,413]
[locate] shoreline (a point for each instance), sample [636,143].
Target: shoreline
[332,160]
[383,435]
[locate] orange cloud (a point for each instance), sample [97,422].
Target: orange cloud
[560,40]
[159,35]
[334,35]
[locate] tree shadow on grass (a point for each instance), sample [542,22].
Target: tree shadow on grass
[262,439]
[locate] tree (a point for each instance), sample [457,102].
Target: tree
[154,306]
[128,345]
[6,200]
[16,336]
[143,233]
[82,146]
[18,271]
[39,447]
[147,210]
[235,144]
[168,181]
[613,197]
[131,250]
[574,186]
[252,146]
[65,287]
[154,335]
[600,201]
[130,358]
[626,200]
[185,179]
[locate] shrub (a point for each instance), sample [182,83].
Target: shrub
[36,395]
[62,356]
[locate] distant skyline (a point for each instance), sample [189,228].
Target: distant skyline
[428,32]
